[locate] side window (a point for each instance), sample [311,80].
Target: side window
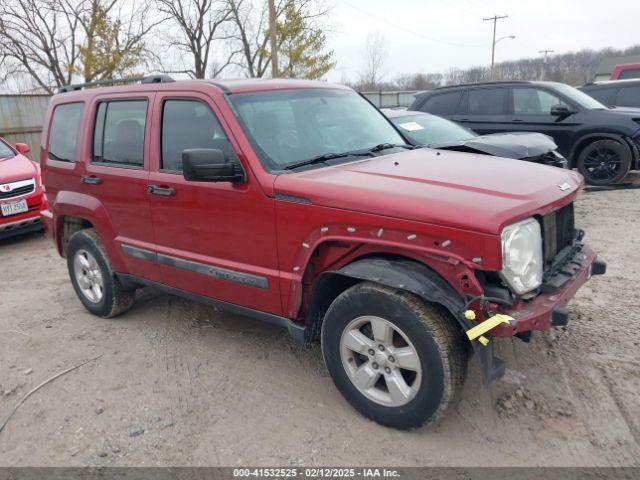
[628,97]
[443,104]
[118,134]
[531,101]
[189,124]
[603,95]
[63,135]
[629,73]
[487,101]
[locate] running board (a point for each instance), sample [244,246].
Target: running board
[296,331]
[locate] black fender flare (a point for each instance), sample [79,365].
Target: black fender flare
[583,140]
[403,274]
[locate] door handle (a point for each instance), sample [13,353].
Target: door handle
[518,120]
[91,179]
[163,191]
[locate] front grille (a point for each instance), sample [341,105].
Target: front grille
[559,232]
[21,187]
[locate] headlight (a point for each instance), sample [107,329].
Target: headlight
[522,255]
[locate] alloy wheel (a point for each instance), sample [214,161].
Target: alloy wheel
[380,361]
[88,275]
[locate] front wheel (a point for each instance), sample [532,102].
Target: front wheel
[395,358]
[604,162]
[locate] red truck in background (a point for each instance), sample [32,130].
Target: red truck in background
[625,72]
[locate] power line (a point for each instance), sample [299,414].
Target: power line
[404,29]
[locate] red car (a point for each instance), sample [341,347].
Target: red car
[300,204]
[21,192]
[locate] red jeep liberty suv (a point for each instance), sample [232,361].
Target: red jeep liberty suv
[300,204]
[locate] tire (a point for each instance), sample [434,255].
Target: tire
[439,364]
[604,162]
[93,278]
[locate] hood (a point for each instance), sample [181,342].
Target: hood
[16,168]
[459,190]
[518,145]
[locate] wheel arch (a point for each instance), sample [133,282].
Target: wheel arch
[77,211]
[594,137]
[404,274]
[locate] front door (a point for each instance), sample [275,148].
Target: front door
[117,173]
[215,239]
[532,113]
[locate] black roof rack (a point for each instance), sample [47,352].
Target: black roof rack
[116,81]
[491,82]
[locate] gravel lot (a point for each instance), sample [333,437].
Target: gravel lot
[180,383]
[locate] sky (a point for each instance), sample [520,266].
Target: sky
[432,36]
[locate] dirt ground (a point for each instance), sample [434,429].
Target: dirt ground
[179,383]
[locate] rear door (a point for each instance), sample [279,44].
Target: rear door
[117,173]
[216,239]
[484,110]
[531,107]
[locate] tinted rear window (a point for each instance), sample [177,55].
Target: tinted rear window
[628,97]
[443,103]
[487,101]
[63,136]
[603,95]
[118,137]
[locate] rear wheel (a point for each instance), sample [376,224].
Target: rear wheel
[93,278]
[395,358]
[604,162]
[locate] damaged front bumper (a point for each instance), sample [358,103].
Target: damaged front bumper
[547,309]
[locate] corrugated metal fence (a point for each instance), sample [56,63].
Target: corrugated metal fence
[391,99]
[21,118]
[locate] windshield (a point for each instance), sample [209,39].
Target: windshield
[291,126]
[429,129]
[581,98]
[5,150]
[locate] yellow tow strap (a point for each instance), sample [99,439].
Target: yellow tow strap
[490,323]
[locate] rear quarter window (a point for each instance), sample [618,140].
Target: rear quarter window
[63,135]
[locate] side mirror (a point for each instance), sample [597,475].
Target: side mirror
[561,111]
[23,148]
[210,165]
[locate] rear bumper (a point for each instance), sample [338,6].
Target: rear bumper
[548,308]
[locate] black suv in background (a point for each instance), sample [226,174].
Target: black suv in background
[603,143]
[618,93]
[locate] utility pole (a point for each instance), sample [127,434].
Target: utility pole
[494,19]
[273,39]
[544,67]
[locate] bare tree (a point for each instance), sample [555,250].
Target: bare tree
[39,39]
[201,23]
[299,18]
[53,41]
[375,57]
[251,25]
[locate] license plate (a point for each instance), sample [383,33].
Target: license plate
[14,208]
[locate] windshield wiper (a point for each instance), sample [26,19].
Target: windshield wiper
[385,146]
[328,156]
